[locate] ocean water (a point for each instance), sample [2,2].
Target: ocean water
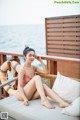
[13,38]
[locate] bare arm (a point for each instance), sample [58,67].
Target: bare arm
[44,68]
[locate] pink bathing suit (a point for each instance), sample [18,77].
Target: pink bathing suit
[26,79]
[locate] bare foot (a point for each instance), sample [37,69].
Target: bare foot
[47,104]
[64,104]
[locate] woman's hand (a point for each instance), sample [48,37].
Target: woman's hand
[38,58]
[26,102]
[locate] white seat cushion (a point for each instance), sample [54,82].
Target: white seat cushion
[35,111]
[66,88]
[73,109]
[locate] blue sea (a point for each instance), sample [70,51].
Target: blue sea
[13,38]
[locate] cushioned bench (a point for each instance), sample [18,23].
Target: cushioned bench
[35,111]
[17,110]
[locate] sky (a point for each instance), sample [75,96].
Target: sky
[33,11]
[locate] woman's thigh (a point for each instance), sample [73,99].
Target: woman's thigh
[30,88]
[35,95]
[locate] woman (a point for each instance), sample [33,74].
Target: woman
[30,85]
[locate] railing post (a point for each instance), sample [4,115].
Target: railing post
[1,92]
[52,67]
[2,59]
[16,58]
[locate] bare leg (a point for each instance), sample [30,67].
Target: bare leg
[33,85]
[35,96]
[54,96]
[37,84]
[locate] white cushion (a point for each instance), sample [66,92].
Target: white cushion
[66,88]
[73,109]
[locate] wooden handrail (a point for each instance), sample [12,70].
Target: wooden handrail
[12,54]
[45,57]
[54,63]
[56,58]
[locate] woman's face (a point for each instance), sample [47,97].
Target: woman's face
[30,56]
